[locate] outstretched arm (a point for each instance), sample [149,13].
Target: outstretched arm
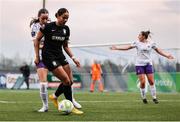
[161,52]
[127,47]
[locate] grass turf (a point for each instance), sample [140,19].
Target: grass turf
[22,105]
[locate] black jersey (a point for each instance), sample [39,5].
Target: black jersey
[54,37]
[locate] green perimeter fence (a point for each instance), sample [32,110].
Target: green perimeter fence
[165,81]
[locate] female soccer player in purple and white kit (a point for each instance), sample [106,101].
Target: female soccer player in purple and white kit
[42,71]
[144,62]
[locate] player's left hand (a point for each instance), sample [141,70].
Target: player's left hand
[170,56]
[77,62]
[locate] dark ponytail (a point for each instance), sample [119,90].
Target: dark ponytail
[41,11]
[61,11]
[34,20]
[146,34]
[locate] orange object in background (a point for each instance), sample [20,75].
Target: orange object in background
[96,72]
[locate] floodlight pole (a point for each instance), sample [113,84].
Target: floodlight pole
[44,3]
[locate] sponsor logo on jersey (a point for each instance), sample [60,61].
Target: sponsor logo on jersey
[64,31]
[58,38]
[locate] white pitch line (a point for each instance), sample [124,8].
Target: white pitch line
[7,102]
[120,101]
[18,102]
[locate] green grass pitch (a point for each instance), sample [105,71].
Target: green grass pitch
[22,105]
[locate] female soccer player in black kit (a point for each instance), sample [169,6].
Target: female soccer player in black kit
[56,35]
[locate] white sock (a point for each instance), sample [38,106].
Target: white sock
[72,92]
[153,91]
[143,93]
[75,103]
[146,85]
[44,94]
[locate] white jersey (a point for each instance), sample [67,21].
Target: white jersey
[35,27]
[143,52]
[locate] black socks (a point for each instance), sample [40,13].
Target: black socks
[68,92]
[64,89]
[59,90]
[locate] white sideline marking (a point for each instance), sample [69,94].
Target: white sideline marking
[120,101]
[7,102]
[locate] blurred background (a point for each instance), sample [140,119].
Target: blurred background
[95,25]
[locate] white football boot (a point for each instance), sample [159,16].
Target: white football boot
[76,104]
[43,109]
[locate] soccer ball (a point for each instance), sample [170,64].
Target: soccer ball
[65,106]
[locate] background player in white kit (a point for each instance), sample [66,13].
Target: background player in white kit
[144,62]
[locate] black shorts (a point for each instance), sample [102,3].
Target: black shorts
[52,63]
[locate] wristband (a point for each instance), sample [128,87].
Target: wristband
[73,57]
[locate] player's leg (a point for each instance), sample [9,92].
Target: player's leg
[54,97]
[26,79]
[150,76]
[42,73]
[67,69]
[62,88]
[146,85]
[93,82]
[100,85]
[152,87]
[62,75]
[141,76]
[142,87]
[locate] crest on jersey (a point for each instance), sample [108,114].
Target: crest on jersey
[64,31]
[54,63]
[149,46]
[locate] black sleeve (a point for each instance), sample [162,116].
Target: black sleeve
[68,33]
[44,29]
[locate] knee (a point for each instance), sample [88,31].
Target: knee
[66,81]
[69,83]
[142,83]
[42,81]
[64,78]
[151,83]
